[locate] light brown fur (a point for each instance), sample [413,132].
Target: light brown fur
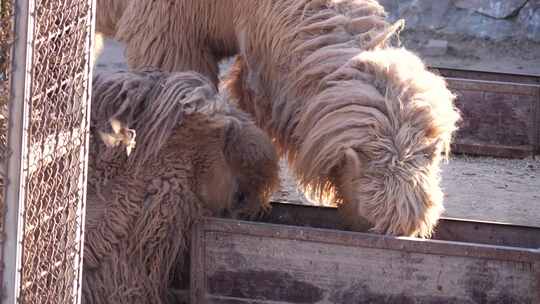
[359,119]
[195,155]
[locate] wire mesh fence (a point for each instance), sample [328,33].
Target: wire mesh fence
[54,101]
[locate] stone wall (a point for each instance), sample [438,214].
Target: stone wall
[492,19]
[487,35]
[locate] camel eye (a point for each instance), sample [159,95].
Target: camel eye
[428,156]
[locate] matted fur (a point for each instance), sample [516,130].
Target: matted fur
[195,154]
[359,119]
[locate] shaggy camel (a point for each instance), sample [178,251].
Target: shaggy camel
[360,120]
[193,154]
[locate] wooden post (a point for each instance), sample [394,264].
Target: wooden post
[536,124]
[197,284]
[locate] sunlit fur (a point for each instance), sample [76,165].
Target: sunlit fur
[194,155]
[97,47]
[108,12]
[359,118]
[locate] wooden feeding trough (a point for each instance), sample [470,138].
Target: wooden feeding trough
[501,112]
[287,258]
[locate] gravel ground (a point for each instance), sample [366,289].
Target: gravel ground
[476,188]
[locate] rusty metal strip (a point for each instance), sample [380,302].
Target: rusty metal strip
[502,151]
[493,86]
[485,75]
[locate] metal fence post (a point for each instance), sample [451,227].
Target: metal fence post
[17,143]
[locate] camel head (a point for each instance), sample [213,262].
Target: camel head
[376,142]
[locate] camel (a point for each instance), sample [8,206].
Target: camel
[165,149]
[359,118]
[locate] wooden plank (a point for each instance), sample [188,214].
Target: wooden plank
[498,117]
[299,272]
[536,125]
[335,237]
[448,229]
[501,112]
[498,234]
[262,263]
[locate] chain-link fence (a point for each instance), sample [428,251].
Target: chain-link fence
[47,138]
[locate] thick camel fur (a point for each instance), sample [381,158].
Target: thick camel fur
[359,119]
[193,154]
[108,13]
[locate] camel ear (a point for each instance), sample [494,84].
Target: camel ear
[129,141]
[353,161]
[121,135]
[110,140]
[352,166]
[116,125]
